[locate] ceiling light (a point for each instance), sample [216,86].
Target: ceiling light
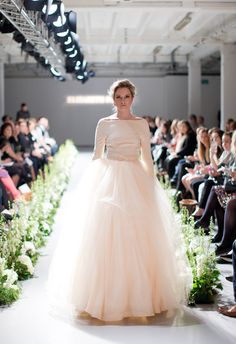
[78,64]
[61,20]
[63,34]
[50,13]
[55,72]
[68,41]
[80,77]
[183,22]
[73,54]
[68,50]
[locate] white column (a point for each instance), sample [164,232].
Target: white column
[2,98]
[228,83]
[194,87]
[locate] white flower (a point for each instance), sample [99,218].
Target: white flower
[14,286]
[200,260]
[193,244]
[11,278]
[2,265]
[25,260]
[28,246]
[45,226]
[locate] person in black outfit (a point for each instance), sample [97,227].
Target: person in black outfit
[23,112]
[186,148]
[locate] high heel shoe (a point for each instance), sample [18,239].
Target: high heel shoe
[200,224]
[217,238]
[222,250]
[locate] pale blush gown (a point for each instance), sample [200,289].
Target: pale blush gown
[124,255]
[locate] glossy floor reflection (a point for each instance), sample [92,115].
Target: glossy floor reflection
[29,321]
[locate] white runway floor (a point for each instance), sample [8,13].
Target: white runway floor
[28,321]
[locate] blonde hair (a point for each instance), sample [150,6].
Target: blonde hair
[202,150]
[173,127]
[121,84]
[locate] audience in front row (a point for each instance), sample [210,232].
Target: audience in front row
[25,148]
[201,164]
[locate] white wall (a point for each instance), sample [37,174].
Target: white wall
[164,96]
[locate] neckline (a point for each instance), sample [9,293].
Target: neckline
[133,120]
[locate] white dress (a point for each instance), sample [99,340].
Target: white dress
[125,255]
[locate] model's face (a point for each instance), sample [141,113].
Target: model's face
[123,99]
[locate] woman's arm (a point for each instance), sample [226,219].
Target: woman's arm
[99,143]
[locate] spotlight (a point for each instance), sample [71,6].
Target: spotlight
[55,73]
[68,41]
[70,49]
[50,13]
[80,77]
[34,5]
[62,36]
[78,65]
[73,54]
[60,22]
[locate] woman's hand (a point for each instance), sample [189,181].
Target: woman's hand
[191,158]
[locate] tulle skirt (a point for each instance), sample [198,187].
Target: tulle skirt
[123,255]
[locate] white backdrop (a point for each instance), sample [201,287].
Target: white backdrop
[164,96]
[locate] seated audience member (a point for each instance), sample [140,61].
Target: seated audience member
[230,311]
[219,197]
[193,121]
[159,150]
[230,123]
[175,135]
[8,183]
[151,124]
[203,159]
[157,133]
[216,169]
[200,121]
[41,134]
[190,160]
[23,112]
[8,131]
[185,146]
[7,118]
[15,169]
